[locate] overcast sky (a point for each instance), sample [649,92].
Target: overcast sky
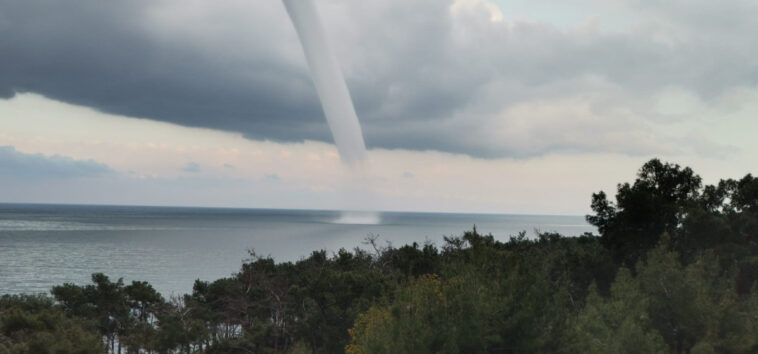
[524,106]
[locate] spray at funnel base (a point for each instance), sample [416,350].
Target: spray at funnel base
[359,218]
[334,96]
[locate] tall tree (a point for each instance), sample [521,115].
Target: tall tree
[657,202]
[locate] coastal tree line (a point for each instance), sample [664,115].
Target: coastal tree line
[673,270]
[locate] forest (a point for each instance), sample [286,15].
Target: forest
[673,269]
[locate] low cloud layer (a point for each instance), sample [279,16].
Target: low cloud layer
[16,165]
[456,76]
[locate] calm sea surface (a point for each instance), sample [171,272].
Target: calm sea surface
[46,245]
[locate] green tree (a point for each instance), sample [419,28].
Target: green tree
[617,324]
[655,203]
[145,304]
[428,316]
[34,325]
[104,301]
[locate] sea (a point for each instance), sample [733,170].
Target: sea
[170,247]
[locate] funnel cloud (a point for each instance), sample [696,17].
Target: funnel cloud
[329,81]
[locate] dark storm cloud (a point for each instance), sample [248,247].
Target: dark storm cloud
[16,165]
[424,75]
[100,54]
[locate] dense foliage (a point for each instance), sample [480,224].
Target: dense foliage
[674,269]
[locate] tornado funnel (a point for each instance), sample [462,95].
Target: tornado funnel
[330,84]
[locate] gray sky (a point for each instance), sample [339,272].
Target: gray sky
[466,105]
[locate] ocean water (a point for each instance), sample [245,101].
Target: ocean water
[46,245]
